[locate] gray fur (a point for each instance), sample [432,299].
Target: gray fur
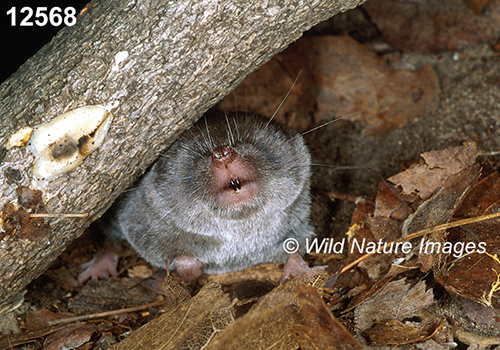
[172,211]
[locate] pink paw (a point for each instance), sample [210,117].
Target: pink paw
[101,266]
[188,267]
[296,266]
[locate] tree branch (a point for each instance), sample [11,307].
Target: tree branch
[182,57]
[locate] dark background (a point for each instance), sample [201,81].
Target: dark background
[17,44]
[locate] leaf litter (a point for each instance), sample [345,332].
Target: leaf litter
[430,298]
[385,306]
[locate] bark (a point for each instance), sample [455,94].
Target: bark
[183,57]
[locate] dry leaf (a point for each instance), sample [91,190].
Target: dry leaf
[397,300]
[433,25]
[190,325]
[70,337]
[269,323]
[438,209]
[474,276]
[480,314]
[390,202]
[112,294]
[471,267]
[366,294]
[339,77]
[394,332]
[424,179]
[483,195]
[262,272]
[262,330]
[321,330]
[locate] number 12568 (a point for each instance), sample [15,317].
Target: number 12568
[43,16]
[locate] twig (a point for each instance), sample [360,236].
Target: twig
[107,313]
[423,233]
[487,154]
[48,215]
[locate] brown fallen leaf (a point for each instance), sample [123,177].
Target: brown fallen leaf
[386,230]
[268,324]
[339,77]
[481,197]
[392,203]
[478,313]
[262,272]
[8,341]
[270,328]
[474,275]
[476,5]
[434,25]
[173,291]
[112,294]
[321,329]
[445,174]
[394,332]
[70,337]
[425,178]
[41,318]
[350,264]
[374,289]
[191,324]
[369,229]
[397,300]
[438,210]
[430,220]
[468,264]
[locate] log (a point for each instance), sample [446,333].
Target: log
[158,65]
